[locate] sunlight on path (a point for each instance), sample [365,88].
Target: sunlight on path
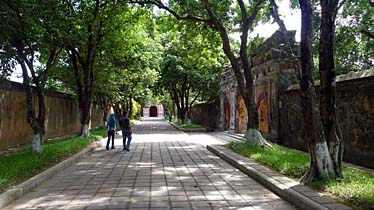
[165,169]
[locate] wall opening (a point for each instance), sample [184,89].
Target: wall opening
[153,111]
[263,116]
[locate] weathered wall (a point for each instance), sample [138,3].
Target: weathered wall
[273,72]
[62,116]
[206,115]
[355,113]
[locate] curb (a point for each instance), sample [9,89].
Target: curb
[301,196]
[19,190]
[234,137]
[187,130]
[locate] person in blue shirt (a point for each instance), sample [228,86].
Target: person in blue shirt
[111,127]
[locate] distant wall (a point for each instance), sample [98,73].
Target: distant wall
[206,115]
[62,116]
[355,114]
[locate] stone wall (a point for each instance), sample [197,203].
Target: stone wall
[273,70]
[206,115]
[355,114]
[229,103]
[62,116]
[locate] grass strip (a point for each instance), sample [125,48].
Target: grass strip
[356,189]
[22,164]
[184,125]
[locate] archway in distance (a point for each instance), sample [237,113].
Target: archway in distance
[153,111]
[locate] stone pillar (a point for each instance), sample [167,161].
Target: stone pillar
[221,124]
[232,111]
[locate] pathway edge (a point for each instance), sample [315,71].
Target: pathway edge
[282,190]
[187,130]
[21,189]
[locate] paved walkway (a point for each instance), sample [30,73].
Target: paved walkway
[165,169]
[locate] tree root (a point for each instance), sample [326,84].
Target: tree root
[254,137]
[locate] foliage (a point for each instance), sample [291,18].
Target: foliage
[195,58]
[129,60]
[287,161]
[356,188]
[136,110]
[354,50]
[23,163]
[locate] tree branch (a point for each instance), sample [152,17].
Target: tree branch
[337,7]
[367,33]
[198,94]
[161,5]
[275,14]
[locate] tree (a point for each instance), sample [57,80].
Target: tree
[128,61]
[31,37]
[88,22]
[352,46]
[325,147]
[220,16]
[192,58]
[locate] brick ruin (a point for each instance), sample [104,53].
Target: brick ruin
[273,72]
[277,96]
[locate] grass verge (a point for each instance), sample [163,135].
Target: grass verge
[184,125]
[22,164]
[356,189]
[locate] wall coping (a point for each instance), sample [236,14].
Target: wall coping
[342,78]
[20,87]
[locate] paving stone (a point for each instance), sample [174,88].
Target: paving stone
[165,169]
[337,206]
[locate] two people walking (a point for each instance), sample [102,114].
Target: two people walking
[125,127]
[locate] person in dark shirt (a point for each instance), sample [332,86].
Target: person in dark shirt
[126,131]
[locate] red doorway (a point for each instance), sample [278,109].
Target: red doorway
[153,111]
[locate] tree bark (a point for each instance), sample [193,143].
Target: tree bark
[130,106]
[37,142]
[83,90]
[84,67]
[321,165]
[328,82]
[36,122]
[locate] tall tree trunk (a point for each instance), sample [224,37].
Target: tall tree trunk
[41,114]
[83,90]
[117,111]
[328,83]
[130,106]
[321,165]
[244,78]
[37,143]
[85,115]
[104,105]
[180,114]
[105,114]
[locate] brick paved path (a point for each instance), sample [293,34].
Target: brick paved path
[165,169]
